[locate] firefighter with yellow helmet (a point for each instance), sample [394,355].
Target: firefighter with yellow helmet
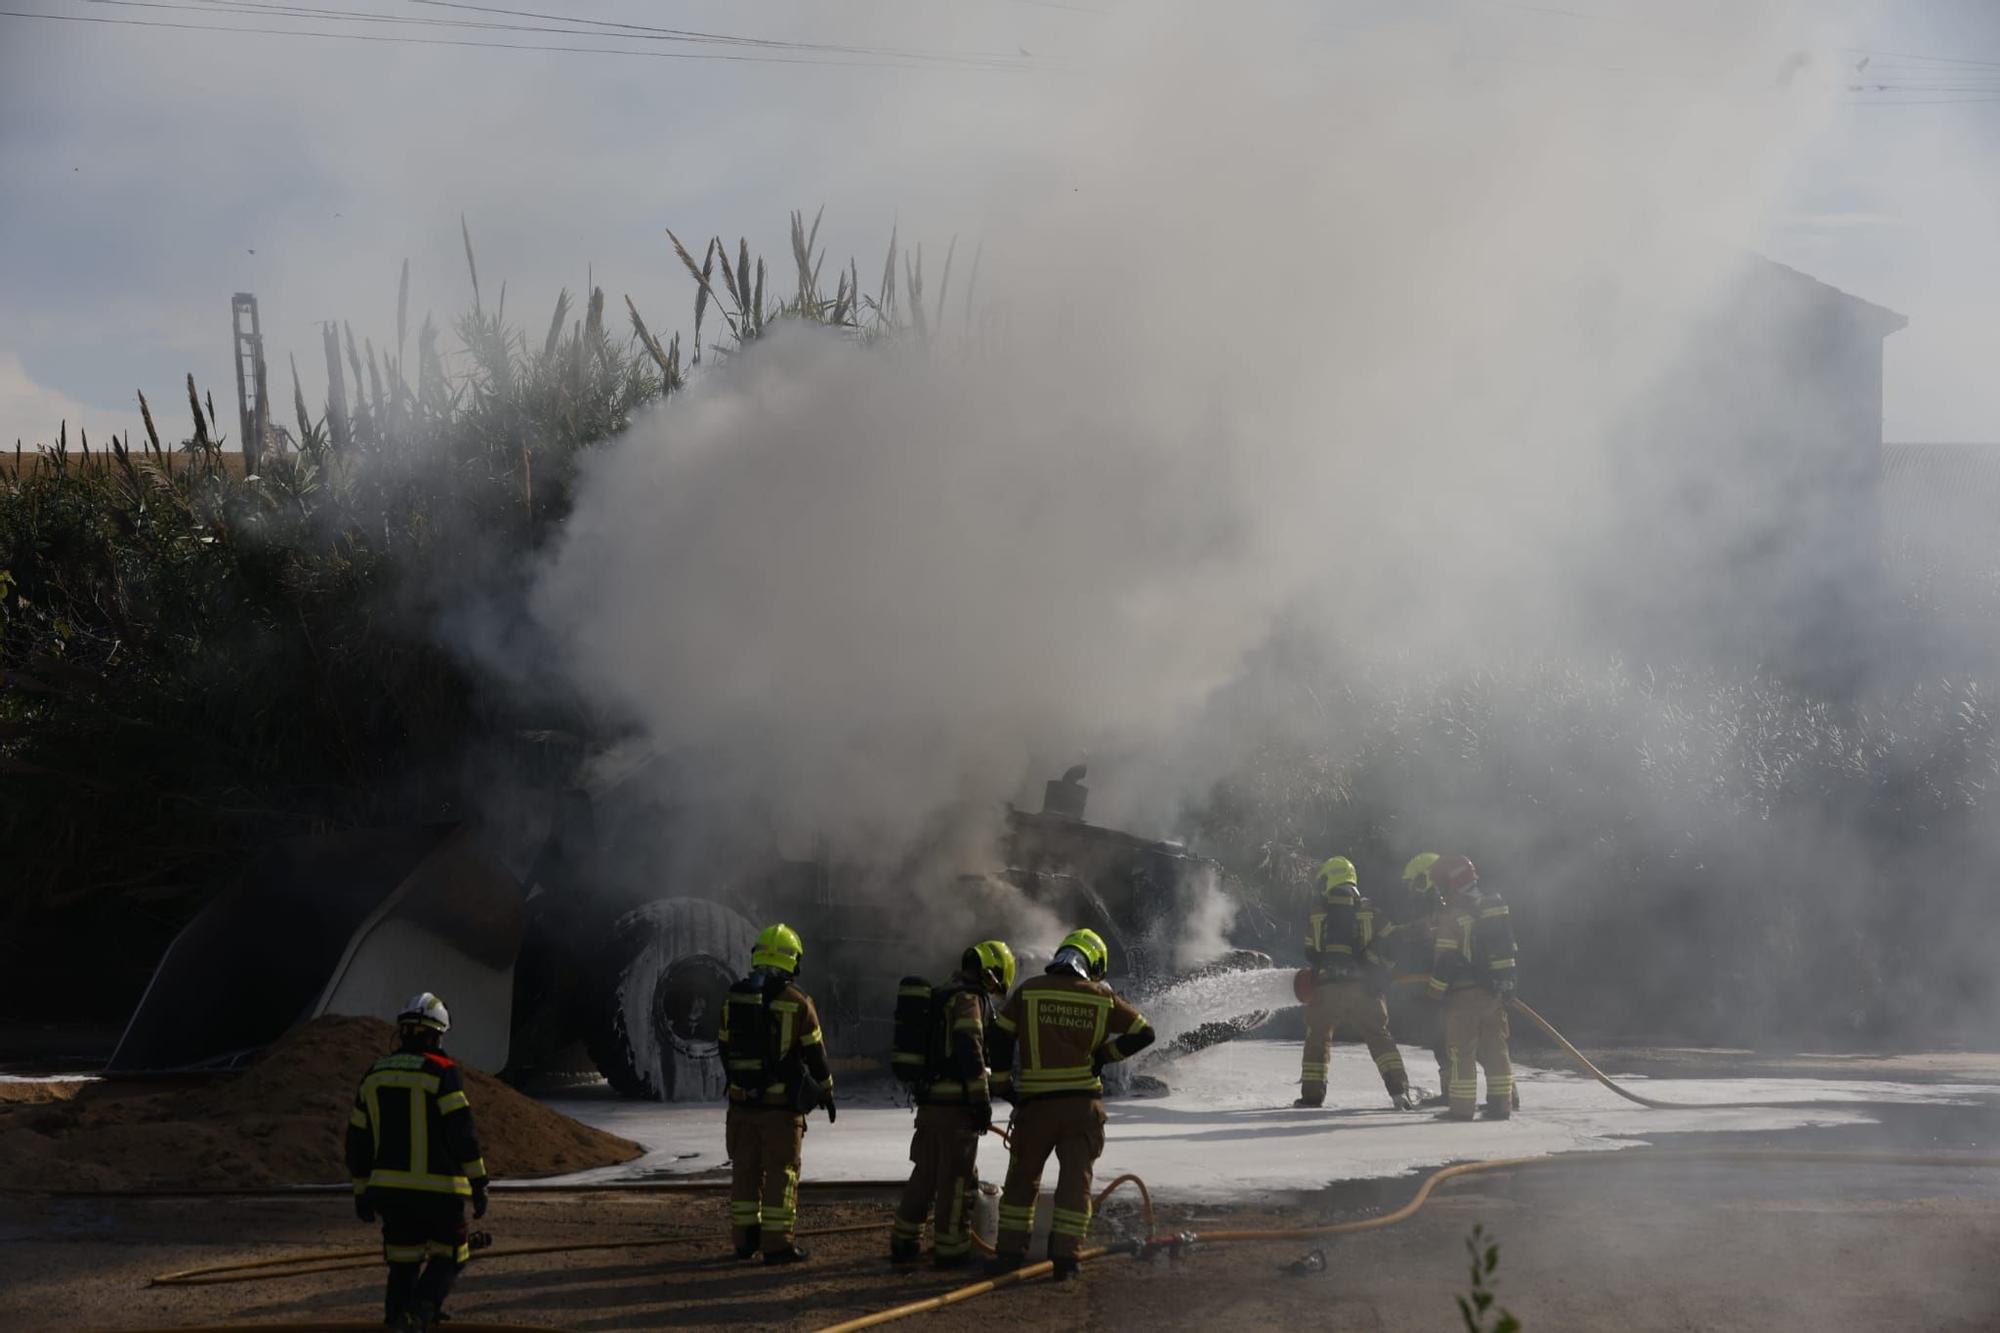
[775,1059]
[1067,1025]
[1404,942]
[953,1089]
[1345,986]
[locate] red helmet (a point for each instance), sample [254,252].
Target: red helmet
[1454,874]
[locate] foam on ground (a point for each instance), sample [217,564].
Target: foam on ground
[1228,1130]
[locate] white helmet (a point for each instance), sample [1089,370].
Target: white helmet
[428,1011]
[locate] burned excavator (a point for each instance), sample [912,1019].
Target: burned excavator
[558,969]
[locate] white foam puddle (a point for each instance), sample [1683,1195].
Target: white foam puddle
[1227,1129]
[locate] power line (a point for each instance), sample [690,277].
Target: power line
[383,39]
[695,35]
[253,7]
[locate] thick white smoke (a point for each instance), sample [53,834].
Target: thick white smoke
[1285,323]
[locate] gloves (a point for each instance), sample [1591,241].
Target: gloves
[832,1113]
[364,1209]
[1502,988]
[479,1201]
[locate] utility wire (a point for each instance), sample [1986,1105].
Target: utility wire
[253,7]
[695,35]
[384,39]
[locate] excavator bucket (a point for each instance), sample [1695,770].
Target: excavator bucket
[353,923]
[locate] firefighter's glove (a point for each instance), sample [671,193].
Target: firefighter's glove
[1503,988]
[832,1112]
[364,1209]
[479,1200]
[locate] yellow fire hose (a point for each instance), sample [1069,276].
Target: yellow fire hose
[334,1261]
[330,1261]
[1408,1210]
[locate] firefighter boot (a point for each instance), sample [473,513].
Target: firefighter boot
[1062,1267]
[752,1239]
[1500,1109]
[794,1255]
[1004,1263]
[904,1251]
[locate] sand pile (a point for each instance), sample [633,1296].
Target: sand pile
[282,1121]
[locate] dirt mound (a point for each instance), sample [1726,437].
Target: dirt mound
[282,1121]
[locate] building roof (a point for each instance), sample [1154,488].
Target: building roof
[1878,319]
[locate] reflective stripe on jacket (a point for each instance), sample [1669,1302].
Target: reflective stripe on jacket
[1341,926]
[1474,946]
[411,1128]
[966,1014]
[1064,1026]
[798,1036]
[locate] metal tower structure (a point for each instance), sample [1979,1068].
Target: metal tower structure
[253,399]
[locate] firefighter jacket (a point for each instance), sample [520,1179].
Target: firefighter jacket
[1340,936]
[1474,945]
[411,1128]
[1065,1030]
[770,1035]
[965,1012]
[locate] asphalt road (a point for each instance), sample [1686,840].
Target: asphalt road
[1630,1244]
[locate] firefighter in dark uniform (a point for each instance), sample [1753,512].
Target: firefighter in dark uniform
[1405,943]
[415,1160]
[1474,971]
[1340,949]
[954,1108]
[1067,1025]
[775,1058]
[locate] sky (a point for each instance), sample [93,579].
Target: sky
[152,171]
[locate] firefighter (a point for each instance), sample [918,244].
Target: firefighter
[1347,989]
[1067,1025]
[415,1160]
[1406,942]
[1473,970]
[775,1059]
[954,1108]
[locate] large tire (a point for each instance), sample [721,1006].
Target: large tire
[665,970]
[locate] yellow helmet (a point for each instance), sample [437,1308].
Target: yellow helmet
[1336,871]
[993,963]
[778,947]
[1417,874]
[1096,957]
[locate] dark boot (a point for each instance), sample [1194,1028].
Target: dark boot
[951,1260]
[1311,1100]
[748,1246]
[904,1251]
[794,1255]
[1500,1110]
[1063,1267]
[1004,1263]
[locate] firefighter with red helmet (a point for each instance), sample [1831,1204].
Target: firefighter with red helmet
[1474,972]
[1345,990]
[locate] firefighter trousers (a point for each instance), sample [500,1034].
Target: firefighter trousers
[1071,1127]
[1475,1030]
[1353,1006]
[425,1243]
[766,1145]
[944,1178]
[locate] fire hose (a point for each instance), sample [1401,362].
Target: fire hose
[1173,1244]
